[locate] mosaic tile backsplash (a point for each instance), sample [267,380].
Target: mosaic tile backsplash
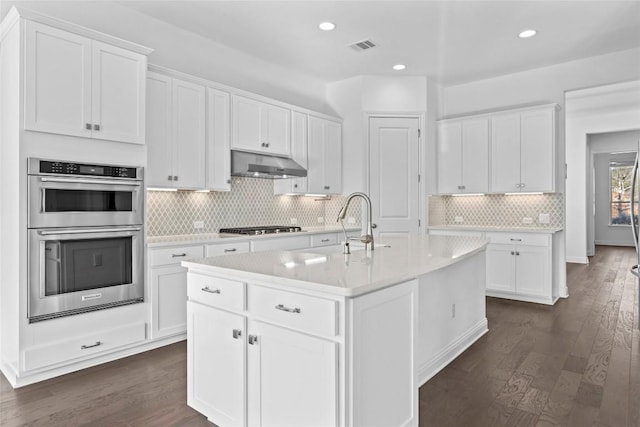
[250,202]
[497,210]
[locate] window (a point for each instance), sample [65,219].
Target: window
[620,176]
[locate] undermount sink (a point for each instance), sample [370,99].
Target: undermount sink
[338,249]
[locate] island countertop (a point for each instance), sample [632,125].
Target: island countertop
[394,260]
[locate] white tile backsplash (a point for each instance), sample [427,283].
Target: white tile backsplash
[250,202]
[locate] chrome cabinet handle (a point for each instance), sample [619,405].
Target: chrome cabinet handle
[327,187]
[253,339]
[230,250]
[325,240]
[170,177]
[237,333]
[87,126]
[96,127]
[634,270]
[90,181]
[86,231]
[178,255]
[175,177]
[516,240]
[374,225]
[84,347]
[513,253]
[209,290]
[517,253]
[288,309]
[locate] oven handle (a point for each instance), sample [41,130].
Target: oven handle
[91,181]
[86,231]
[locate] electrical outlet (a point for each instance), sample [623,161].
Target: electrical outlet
[294,220]
[351,220]
[458,219]
[527,220]
[321,220]
[543,218]
[198,225]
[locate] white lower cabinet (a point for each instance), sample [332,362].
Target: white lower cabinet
[262,355]
[520,266]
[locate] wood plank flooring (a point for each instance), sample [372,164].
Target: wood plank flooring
[574,364]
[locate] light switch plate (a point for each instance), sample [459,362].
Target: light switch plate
[294,220]
[198,225]
[321,219]
[543,218]
[458,219]
[527,220]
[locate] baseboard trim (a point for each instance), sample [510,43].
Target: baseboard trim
[577,260]
[428,369]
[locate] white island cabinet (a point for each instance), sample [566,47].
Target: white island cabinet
[319,338]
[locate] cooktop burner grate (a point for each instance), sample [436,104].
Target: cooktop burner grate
[267,229]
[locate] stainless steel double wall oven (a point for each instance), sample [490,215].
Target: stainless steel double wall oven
[86,240]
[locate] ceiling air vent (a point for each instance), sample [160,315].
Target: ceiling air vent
[362,45]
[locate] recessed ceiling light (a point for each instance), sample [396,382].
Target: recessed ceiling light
[527,33]
[399,67]
[327,26]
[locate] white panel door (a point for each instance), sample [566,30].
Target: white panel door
[57,81]
[475,156]
[537,147]
[159,146]
[169,301]
[332,157]
[393,174]
[118,95]
[501,268]
[449,157]
[218,139]
[246,131]
[505,153]
[292,378]
[299,153]
[315,172]
[277,129]
[189,135]
[216,362]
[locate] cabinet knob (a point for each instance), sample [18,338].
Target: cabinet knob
[96,127]
[513,253]
[253,339]
[87,126]
[237,333]
[175,177]
[327,187]
[517,253]
[228,181]
[170,177]
[295,185]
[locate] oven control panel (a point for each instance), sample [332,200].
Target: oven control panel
[63,168]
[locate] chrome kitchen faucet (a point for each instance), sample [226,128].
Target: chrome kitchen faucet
[367,238]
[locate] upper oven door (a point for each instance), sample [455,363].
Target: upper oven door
[84,202]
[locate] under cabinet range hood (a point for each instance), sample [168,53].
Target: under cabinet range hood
[264,166]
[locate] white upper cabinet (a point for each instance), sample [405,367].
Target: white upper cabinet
[218,168]
[176,129]
[299,137]
[463,156]
[82,87]
[260,127]
[325,157]
[523,151]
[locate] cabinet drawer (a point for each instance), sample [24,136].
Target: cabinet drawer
[175,255]
[519,238]
[303,312]
[215,291]
[324,240]
[227,249]
[81,347]
[280,243]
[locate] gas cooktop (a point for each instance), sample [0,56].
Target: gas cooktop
[266,229]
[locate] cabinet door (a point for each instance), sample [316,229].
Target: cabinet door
[216,363]
[276,129]
[501,273]
[332,158]
[118,94]
[159,147]
[57,81]
[169,301]
[189,137]
[315,172]
[505,153]
[538,148]
[246,133]
[475,156]
[298,153]
[292,378]
[449,158]
[218,139]
[532,271]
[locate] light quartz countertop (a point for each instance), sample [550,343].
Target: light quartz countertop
[489,228]
[202,238]
[328,270]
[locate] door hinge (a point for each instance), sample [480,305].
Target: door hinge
[419,223]
[418,177]
[418,133]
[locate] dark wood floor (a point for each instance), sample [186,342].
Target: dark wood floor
[575,364]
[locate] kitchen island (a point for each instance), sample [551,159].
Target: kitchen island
[318,337]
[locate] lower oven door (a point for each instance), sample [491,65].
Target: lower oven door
[74,270]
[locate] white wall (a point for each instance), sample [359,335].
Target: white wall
[354,98]
[549,84]
[184,51]
[609,108]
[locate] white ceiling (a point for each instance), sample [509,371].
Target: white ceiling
[450,41]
